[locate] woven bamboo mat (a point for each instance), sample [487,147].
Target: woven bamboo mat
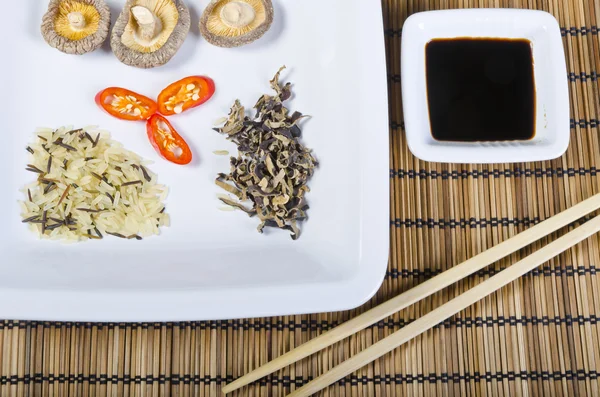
[537,337]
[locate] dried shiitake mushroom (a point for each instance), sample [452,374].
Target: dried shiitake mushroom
[233,23]
[76,27]
[149,33]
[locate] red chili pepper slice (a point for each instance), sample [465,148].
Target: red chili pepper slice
[167,142]
[185,94]
[125,104]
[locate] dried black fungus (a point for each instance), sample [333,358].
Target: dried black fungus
[273,167]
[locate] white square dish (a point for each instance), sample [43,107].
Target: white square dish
[209,264]
[550,74]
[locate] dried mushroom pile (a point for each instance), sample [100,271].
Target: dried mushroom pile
[148,33]
[272,167]
[76,27]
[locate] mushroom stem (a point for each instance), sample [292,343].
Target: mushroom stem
[149,24]
[237,14]
[77,20]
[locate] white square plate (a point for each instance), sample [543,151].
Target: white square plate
[209,264]
[550,74]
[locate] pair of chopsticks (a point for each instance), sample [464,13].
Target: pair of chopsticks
[430,287]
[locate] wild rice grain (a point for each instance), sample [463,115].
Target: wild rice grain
[33,168]
[85,186]
[60,143]
[64,195]
[96,176]
[146,175]
[132,183]
[119,235]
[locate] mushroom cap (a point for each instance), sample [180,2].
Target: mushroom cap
[241,39]
[148,60]
[84,45]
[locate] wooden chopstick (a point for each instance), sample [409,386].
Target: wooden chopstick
[421,291]
[450,308]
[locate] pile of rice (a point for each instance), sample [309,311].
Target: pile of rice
[89,187]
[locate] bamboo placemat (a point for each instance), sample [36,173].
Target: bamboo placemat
[537,337]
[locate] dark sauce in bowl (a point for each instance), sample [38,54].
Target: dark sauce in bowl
[480,89]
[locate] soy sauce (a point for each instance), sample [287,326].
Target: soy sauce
[480,89]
